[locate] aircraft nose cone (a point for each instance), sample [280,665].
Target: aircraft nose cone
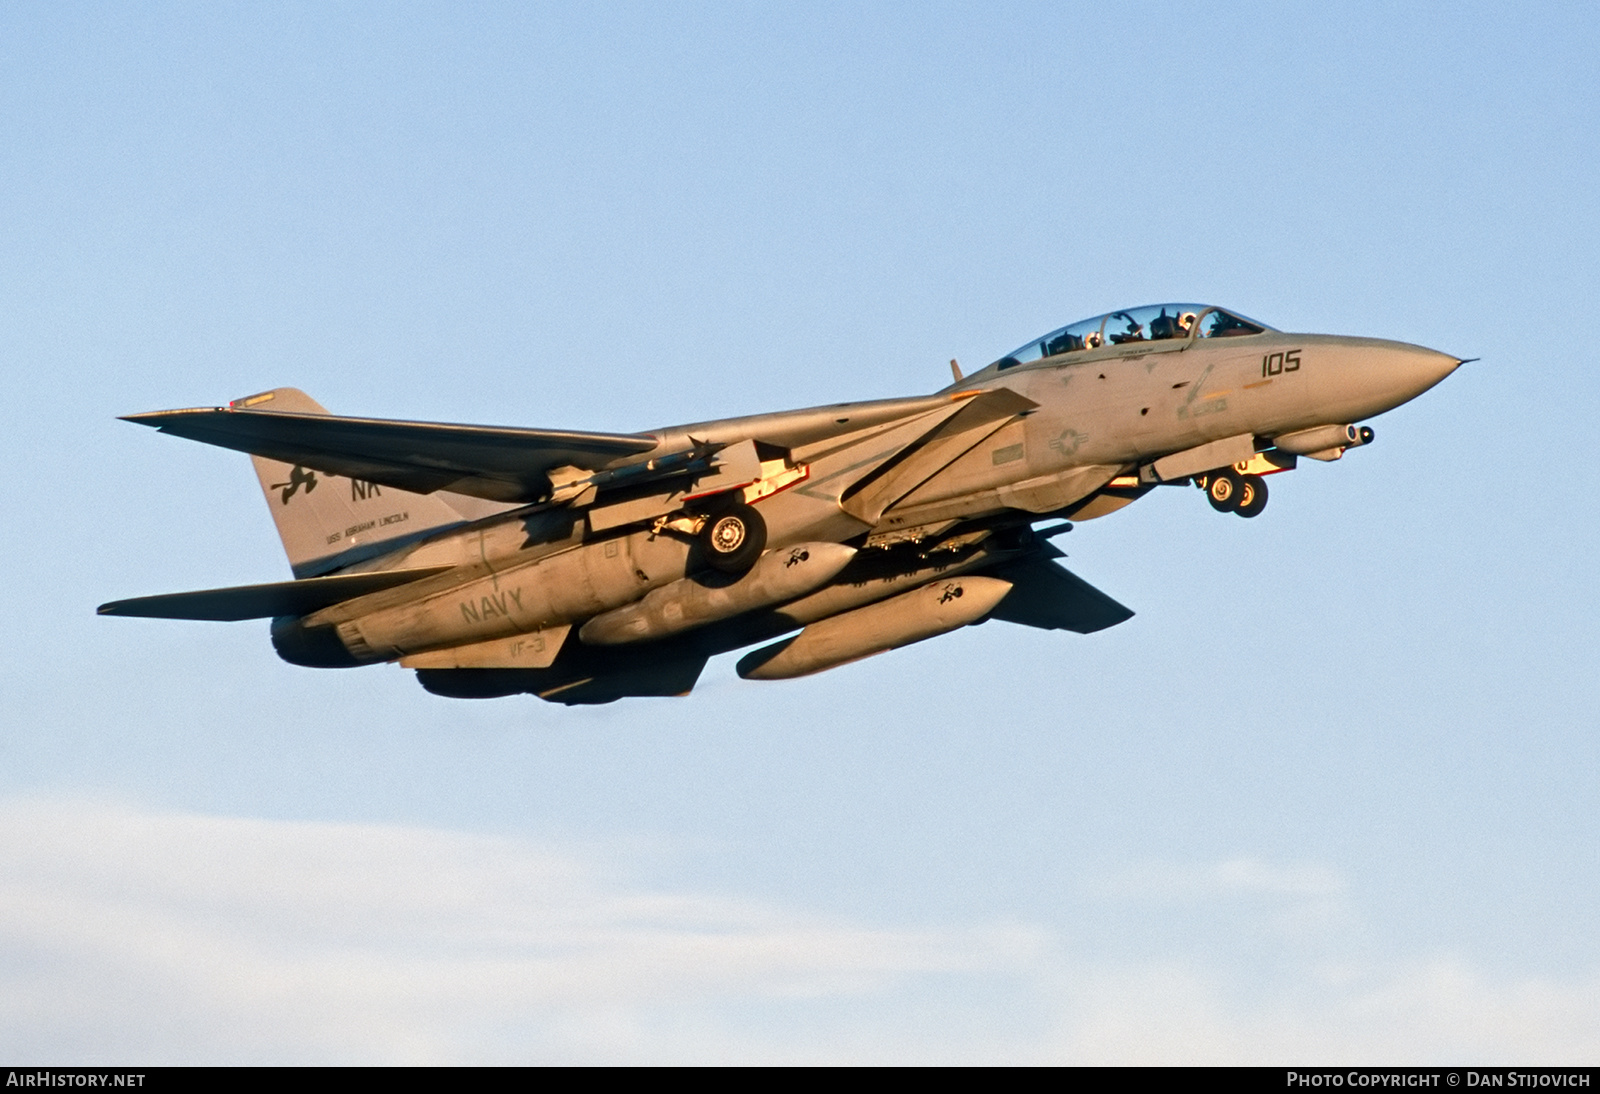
[1436,366]
[1415,369]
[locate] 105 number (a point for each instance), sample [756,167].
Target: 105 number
[1274,363]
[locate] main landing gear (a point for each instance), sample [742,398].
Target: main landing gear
[1230,492]
[733,539]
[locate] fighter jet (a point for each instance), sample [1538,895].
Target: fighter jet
[589,567]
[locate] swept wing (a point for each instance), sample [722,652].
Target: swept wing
[500,463]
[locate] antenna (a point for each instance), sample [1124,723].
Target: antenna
[955,370]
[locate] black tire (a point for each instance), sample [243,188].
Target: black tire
[1253,498]
[1224,489]
[733,539]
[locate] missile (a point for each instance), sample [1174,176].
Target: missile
[688,603]
[925,612]
[1324,439]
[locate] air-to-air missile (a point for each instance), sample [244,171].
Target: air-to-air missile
[587,567]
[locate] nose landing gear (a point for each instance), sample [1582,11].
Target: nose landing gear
[1223,489]
[1230,492]
[1253,498]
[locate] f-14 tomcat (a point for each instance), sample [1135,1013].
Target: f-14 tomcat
[586,567]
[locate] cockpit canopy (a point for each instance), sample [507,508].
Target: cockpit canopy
[1154,323]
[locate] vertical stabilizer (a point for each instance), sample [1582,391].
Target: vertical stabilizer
[329,521]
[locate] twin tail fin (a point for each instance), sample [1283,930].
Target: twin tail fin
[327,522]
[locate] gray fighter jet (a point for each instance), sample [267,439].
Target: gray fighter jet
[586,567]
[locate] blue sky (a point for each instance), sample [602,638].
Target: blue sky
[1330,795]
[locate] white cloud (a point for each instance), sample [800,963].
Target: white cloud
[1433,1012]
[131,935]
[1235,876]
[1302,900]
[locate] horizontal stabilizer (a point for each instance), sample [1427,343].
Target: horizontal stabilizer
[1046,596]
[495,462]
[265,601]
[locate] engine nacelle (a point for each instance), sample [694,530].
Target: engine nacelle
[508,600]
[925,612]
[689,602]
[311,647]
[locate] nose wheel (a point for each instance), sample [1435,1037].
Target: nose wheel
[1253,497]
[1230,492]
[1223,489]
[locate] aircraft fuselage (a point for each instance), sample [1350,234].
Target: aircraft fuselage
[620,562]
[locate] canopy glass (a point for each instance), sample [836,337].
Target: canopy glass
[1153,323]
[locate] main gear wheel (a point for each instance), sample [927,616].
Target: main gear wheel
[733,539]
